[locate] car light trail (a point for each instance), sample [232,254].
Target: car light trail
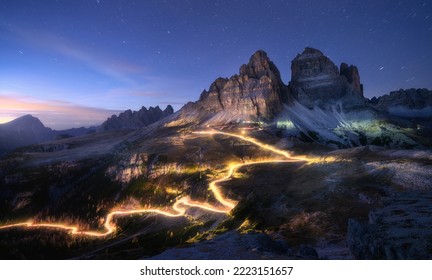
[180,207]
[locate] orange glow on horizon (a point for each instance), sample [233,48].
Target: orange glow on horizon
[54,114]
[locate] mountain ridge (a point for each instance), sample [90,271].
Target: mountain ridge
[136,119]
[321,103]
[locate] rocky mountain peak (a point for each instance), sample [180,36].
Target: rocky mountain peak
[169,110]
[26,121]
[308,53]
[136,119]
[312,64]
[260,65]
[317,81]
[23,131]
[255,93]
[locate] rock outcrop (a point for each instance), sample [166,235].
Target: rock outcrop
[256,93]
[136,119]
[317,81]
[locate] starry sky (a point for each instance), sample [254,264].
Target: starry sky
[74,62]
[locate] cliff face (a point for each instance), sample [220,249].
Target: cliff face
[317,81]
[136,119]
[255,93]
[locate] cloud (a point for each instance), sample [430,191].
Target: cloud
[54,114]
[114,67]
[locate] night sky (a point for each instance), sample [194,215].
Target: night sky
[74,63]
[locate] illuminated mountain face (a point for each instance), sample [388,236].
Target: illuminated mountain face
[322,103]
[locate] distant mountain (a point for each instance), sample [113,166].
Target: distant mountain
[135,119]
[411,103]
[23,131]
[28,130]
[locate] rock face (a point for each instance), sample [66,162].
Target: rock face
[136,119]
[316,80]
[256,93]
[322,103]
[405,103]
[312,66]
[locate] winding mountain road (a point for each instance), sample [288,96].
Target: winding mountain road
[179,208]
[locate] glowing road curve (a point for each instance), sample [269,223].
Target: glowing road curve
[183,203]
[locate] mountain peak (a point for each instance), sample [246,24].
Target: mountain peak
[316,80]
[168,110]
[259,55]
[312,64]
[22,131]
[136,119]
[254,94]
[260,65]
[308,53]
[26,121]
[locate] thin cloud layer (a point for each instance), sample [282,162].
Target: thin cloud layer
[54,114]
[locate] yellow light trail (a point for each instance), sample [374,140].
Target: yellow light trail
[110,227]
[286,154]
[178,211]
[248,139]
